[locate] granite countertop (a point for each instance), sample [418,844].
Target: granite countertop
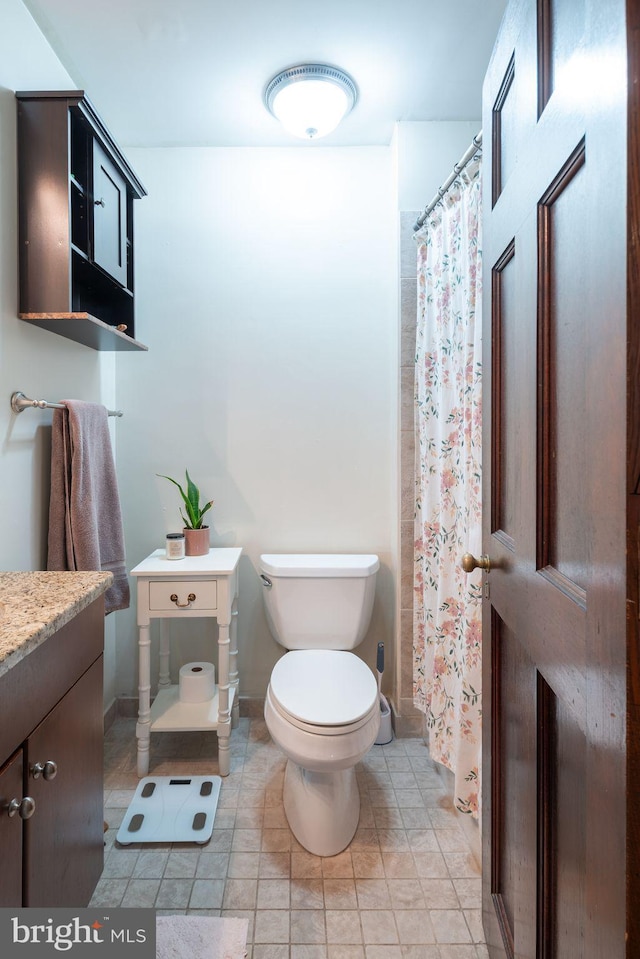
[34,605]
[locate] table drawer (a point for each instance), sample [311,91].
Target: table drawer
[204,595]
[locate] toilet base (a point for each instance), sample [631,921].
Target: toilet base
[322,808]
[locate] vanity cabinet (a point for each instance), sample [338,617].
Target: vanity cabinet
[52,736]
[76,194]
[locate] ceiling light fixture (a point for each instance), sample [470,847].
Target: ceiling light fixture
[310,99]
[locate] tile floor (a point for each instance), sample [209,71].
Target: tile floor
[406,888]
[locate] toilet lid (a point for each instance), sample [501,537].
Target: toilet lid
[324,687]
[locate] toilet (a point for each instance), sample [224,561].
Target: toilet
[322,705]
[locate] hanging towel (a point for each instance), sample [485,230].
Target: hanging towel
[85,521]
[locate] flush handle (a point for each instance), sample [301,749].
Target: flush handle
[48,770]
[190,599]
[25,807]
[266,582]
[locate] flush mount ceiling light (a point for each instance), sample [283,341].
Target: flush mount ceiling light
[310,99]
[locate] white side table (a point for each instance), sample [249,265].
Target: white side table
[192,587]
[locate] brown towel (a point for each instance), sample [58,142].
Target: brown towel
[85,522]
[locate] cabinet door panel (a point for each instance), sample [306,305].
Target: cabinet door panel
[64,851]
[109,216]
[11,834]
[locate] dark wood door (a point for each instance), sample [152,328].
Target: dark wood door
[64,849]
[555,335]
[11,833]
[109,216]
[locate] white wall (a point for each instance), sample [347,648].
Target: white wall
[426,152]
[34,361]
[267,295]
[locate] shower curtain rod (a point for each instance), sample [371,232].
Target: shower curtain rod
[473,151]
[20,402]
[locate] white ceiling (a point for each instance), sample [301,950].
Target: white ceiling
[193,72]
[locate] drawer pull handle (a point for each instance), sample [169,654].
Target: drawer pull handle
[47,770]
[25,808]
[190,599]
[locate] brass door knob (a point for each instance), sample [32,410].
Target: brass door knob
[469,563]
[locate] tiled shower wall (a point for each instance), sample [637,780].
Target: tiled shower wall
[409,721]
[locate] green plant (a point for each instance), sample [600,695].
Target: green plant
[195,512]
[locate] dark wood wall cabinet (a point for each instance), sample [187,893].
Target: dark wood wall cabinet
[76,194]
[51,776]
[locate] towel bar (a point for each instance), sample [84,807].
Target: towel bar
[20,402]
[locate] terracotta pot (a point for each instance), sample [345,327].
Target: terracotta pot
[196,541]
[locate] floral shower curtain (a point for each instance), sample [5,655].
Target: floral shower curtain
[448,409]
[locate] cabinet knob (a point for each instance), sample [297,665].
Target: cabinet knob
[47,770]
[25,807]
[190,599]
[99,202]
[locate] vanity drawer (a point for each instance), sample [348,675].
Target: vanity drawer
[203,591]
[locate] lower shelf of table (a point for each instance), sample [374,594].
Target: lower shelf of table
[168,714]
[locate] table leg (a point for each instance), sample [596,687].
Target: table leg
[233,666]
[224,719]
[164,678]
[143,727]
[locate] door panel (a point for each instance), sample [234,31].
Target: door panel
[11,787]
[561,26]
[109,216]
[561,825]
[513,787]
[505,131]
[67,828]
[563,506]
[555,340]
[506,468]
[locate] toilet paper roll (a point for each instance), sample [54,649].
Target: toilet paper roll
[197,682]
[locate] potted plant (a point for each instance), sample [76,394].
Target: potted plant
[196,534]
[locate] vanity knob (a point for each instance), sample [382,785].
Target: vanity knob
[47,770]
[25,808]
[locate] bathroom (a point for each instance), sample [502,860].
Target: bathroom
[268,281]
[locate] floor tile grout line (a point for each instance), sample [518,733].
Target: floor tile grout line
[385,836]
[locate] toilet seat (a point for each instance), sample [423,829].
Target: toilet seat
[324,691]
[317,729]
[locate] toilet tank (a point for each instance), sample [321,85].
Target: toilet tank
[318,600]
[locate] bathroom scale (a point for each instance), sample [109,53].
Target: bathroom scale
[171,809]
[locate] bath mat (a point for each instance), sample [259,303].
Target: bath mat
[200,937]
[171,809]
